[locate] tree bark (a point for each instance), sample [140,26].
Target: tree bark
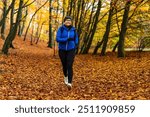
[121,52]
[39,33]
[4,21]
[106,34]
[23,23]
[7,11]
[13,31]
[88,45]
[79,29]
[99,44]
[88,30]
[32,33]
[50,25]
[115,47]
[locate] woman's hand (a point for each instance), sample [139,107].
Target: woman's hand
[70,39]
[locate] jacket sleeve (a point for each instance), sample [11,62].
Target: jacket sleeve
[76,39]
[59,38]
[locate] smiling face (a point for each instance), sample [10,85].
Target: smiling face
[68,22]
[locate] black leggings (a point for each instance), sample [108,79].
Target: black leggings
[67,59]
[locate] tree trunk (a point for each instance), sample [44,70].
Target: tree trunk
[70,7]
[39,33]
[64,10]
[80,23]
[88,30]
[12,21]
[106,34]
[115,47]
[124,24]
[4,21]
[78,13]
[12,15]
[7,11]
[88,45]
[32,33]
[13,30]
[98,46]
[20,31]
[50,25]
[117,21]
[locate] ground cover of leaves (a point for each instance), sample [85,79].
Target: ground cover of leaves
[32,72]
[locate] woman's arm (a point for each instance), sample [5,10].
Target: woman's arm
[58,36]
[76,39]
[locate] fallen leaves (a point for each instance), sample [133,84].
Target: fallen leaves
[32,72]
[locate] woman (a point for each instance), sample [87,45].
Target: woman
[67,39]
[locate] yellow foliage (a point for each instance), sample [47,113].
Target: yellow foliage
[144,8]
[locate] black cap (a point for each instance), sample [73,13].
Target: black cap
[67,17]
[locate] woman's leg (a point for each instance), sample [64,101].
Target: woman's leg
[63,58]
[70,60]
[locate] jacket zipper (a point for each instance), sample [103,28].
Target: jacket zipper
[67,41]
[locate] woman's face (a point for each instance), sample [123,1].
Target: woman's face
[68,22]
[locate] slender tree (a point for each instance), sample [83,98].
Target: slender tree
[79,25]
[124,24]
[50,25]
[4,21]
[87,33]
[7,11]
[22,25]
[93,29]
[106,34]
[38,38]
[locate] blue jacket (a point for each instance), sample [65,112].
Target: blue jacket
[62,36]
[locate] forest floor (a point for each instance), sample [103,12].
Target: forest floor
[32,72]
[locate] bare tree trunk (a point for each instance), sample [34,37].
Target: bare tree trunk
[88,45]
[4,21]
[80,23]
[32,33]
[106,34]
[115,47]
[7,11]
[24,21]
[39,33]
[13,31]
[87,33]
[99,44]
[124,24]
[12,15]
[50,25]
[117,21]
[64,11]
[69,12]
